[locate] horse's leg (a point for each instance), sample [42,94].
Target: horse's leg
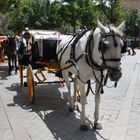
[68,84]
[97,124]
[2,54]
[15,60]
[83,125]
[75,89]
[9,66]
[12,59]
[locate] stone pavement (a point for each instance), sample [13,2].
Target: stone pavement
[48,118]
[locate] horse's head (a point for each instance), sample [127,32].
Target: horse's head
[110,47]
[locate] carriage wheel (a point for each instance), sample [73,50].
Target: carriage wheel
[87,88]
[30,84]
[20,67]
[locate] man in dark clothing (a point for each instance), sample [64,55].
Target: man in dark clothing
[132,47]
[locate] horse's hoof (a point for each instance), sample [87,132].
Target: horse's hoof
[98,126]
[84,127]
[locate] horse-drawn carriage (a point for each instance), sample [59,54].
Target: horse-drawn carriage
[93,54]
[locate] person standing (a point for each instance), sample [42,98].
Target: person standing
[129,46]
[133,45]
[17,41]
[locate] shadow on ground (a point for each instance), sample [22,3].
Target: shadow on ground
[3,72]
[51,106]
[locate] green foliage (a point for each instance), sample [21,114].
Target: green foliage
[3,6]
[132,23]
[45,14]
[34,14]
[78,13]
[111,10]
[8,5]
[87,13]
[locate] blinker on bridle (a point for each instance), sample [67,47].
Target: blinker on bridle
[102,46]
[112,34]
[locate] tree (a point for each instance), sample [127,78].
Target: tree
[112,10]
[78,13]
[8,5]
[87,13]
[69,12]
[132,23]
[48,14]
[5,7]
[34,14]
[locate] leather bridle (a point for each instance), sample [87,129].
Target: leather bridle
[102,47]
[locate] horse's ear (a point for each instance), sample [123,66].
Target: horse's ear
[121,26]
[101,26]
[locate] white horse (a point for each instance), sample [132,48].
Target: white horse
[94,55]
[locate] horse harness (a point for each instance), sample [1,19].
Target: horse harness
[88,55]
[102,49]
[72,61]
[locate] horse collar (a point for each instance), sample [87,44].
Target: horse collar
[76,39]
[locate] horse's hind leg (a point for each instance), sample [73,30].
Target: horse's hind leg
[15,60]
[97,124]
[9,66]
[12,62]
[75,89]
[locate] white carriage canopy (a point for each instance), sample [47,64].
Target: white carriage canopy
[47,42]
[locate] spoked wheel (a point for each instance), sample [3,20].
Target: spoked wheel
[30,84]
[20,68]
[87,88]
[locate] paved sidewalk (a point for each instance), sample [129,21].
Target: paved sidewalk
[48,118]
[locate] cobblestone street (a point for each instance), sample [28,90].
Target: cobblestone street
[48,118]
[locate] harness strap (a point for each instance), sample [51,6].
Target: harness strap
[71,62]
[77,38]
[89,58]
[63,49]
[113,59]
